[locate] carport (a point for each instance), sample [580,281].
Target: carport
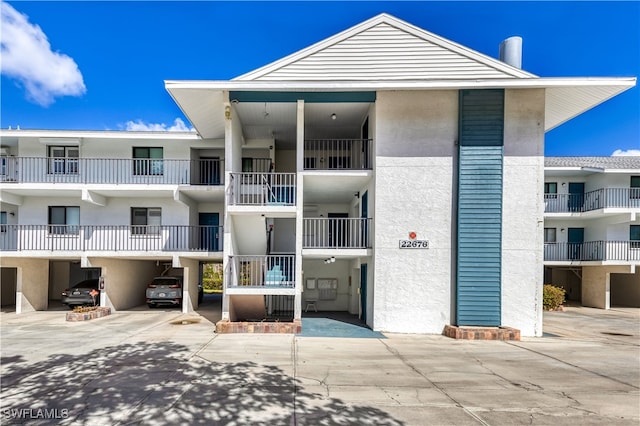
[125,280]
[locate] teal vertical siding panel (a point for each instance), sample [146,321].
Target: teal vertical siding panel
[480,169]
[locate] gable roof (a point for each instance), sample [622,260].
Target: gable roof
[384,48]
[385,53]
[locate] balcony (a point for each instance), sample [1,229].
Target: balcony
[337,233]
[262,189]
[111,171]
[337,154]
[262,272]
[626,251]
[84,238]
[624,198]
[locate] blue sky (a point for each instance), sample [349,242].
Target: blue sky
[101,65]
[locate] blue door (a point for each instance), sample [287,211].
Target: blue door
[363,292]
[209,231]
[575,238]
[576,196]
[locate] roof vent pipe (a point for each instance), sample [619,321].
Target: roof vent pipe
[511,51]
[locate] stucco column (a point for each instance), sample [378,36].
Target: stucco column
[189,284]
[596,287]
[32,285]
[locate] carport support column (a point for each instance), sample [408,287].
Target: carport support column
[32,285]
[596,287]
[189,284]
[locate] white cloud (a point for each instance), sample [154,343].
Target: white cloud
[626,153]
[27,57]
[140,126]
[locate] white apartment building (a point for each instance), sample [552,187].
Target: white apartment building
[384,172]
[592,229]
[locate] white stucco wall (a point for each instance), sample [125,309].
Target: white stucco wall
[523,211]
[35,210]
[109,148]
[339,270]
[415,134]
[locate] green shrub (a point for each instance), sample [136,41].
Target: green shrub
[212,277]
[552,297]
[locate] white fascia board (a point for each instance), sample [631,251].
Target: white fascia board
[330,86]
[53,135]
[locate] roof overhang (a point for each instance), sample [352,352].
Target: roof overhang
[203,102]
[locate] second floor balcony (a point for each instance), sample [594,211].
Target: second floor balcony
[337,233]
[588,251]
[112,171]
[621,198]
[112,238]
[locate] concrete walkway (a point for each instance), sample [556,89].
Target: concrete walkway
[163,367]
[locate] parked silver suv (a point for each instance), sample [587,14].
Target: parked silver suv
[164,291]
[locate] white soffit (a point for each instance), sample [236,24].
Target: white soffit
[203,107]
[202,101]
[564,103]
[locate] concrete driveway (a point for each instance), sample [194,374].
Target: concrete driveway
[163,367]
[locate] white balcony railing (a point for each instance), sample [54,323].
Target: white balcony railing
[111,171]
[337,154]
[262,189]
[593,251]
[337,233]
[111,238]
[592,200]
[273,271]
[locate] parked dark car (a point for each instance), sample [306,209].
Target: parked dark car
[164,291]
[80,294]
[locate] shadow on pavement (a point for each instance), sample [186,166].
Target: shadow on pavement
[142,383]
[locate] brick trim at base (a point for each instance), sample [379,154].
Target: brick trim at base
[85,316]
[224,327]
[481,333]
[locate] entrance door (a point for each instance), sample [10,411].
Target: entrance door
[363,292]
[576,196]
[210,232]
[575,239]
[210,171]
[338,229]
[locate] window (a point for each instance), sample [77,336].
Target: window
[635,188]
[64,220]
[145,220]
[549,235]
[63,160]
[247,164]
[634,236]
[3,221]
[550,188]
[148,161]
